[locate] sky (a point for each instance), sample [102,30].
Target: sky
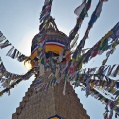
[19,22]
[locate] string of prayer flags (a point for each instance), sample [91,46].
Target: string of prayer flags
[5,44]
[46,9]
[3,41]
[107,42]
[108,86]
[106,70]
[93,19]
[17,81]
[96,13]
[8,80]
[13,52]
[82,12]
[109,103]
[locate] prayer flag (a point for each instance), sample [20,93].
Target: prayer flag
[79,9]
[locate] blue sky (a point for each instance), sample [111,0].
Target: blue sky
[19,22]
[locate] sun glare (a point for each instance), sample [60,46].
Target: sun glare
[27,40]
[27,65]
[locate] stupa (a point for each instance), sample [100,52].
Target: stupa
[51,103]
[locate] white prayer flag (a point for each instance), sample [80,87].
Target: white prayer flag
[79,9]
